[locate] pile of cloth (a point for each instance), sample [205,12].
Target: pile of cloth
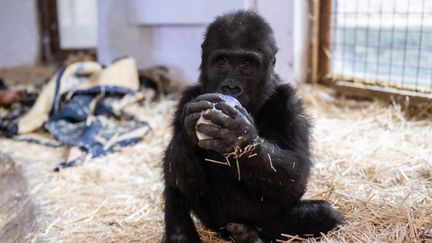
[88,108]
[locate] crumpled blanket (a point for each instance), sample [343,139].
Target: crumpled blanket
[85,106]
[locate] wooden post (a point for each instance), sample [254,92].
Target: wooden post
[325,39]
[48,24]
[312,67]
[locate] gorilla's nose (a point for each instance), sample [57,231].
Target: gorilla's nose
[232,90]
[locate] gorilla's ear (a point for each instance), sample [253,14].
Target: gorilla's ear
[274,61]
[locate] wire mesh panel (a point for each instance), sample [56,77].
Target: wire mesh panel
[383,42]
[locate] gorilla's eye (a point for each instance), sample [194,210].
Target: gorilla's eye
[246,66]
[221,61]
[246,63]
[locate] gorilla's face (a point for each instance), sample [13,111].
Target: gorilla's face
[238,57]
[236,72]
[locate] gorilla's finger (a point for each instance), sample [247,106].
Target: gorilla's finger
[219,118]
[209,130]
[211,97]
[227,109]
[192,118]
[190,122]
[198,106]
[213,144]
[244,112]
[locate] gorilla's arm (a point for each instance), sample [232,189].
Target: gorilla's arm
[274,173]
[280,168]
[181,170]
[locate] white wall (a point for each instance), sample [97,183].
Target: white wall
[19,35]
[77,21]
[301,40]
[178,46]
[279,14]
[175,46]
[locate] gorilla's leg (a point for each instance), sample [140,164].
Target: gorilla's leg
[307,218]
[242,233]
[179,226]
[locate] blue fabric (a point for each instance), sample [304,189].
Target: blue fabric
[74,134]
[69,163]
[3,86]
[104,106]
[56,100]
[109,90]
[70,126]
[8,121]
[74,110]
[78,120]
[36,141]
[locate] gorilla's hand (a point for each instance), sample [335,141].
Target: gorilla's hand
[194,109]
[232,127]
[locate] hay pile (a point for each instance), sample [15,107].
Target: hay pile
[371,161]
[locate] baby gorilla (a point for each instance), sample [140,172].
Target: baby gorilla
[254,195]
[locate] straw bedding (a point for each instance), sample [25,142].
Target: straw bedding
[373,161]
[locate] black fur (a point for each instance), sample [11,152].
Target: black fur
[268,195]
